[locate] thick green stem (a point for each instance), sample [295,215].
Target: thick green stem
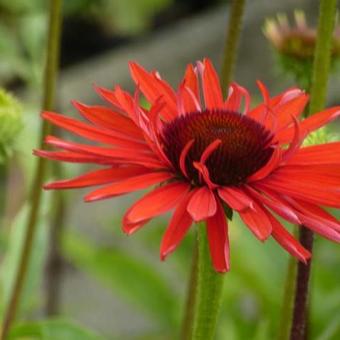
[187,325]
[35,195]
[231,43]
[322,56]
[208,291]
[319,85]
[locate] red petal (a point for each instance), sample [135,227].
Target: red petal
[317,154]
[217,231]
[177,228]
[90,132]
[108,154]
[183,156]
[157,202]
[233,102]
[310,124]
[188,91]
[235,198]
[107,95]
[266,170]
[211,86]
[257,221]
[72,157]
[274,203]
[129,185]
[202,204]
[287,241]
[97,177]
[153,88]
[311,188]
[109,119]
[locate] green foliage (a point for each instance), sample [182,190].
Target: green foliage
[10,261]
[52,330]
[133,278]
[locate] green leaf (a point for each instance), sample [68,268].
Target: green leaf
[10,262]
[52,330]
[133,278]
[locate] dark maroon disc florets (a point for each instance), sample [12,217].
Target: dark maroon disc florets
[245,146]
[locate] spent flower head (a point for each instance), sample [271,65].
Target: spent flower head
[203,155]
[295,44]
[10,123]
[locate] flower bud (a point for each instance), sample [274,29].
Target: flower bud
[10,123]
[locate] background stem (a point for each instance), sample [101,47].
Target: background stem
[319,84]
[209,290]
[35,194]
[231,42]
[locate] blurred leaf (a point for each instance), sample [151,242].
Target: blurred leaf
[133,278]
[13,251]
[52,330]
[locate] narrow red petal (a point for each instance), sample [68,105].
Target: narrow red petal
[217,231]
[183,156]
[153,88]
[107,95]
[98,177]
[211,86]
[188,91]
[128,185]
[311,190]
[328,153]
[90,132]
[310,124]
[287,241]
[235,198]
[177,228]
[72,157]
[266,170]
[202,204]
[111,155]
[157,202]
[257,221]
[274,203]
[109,119]
[233,102]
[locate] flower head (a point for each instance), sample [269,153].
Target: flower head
[295,44]
[205,155]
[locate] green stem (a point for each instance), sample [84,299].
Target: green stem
[187,328]
[35,194]
[209,290]
[319,86]
[322,58]
[231,42]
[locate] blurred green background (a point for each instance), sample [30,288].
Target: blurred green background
[113,286]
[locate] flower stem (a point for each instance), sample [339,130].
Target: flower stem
[231,42]
[35,194]
[319,84]
[209,290]
[187,328]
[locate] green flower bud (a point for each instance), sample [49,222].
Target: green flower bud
[10,123]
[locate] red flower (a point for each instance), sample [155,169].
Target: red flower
[207,155]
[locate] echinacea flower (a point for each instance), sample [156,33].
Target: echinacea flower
[205,154]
